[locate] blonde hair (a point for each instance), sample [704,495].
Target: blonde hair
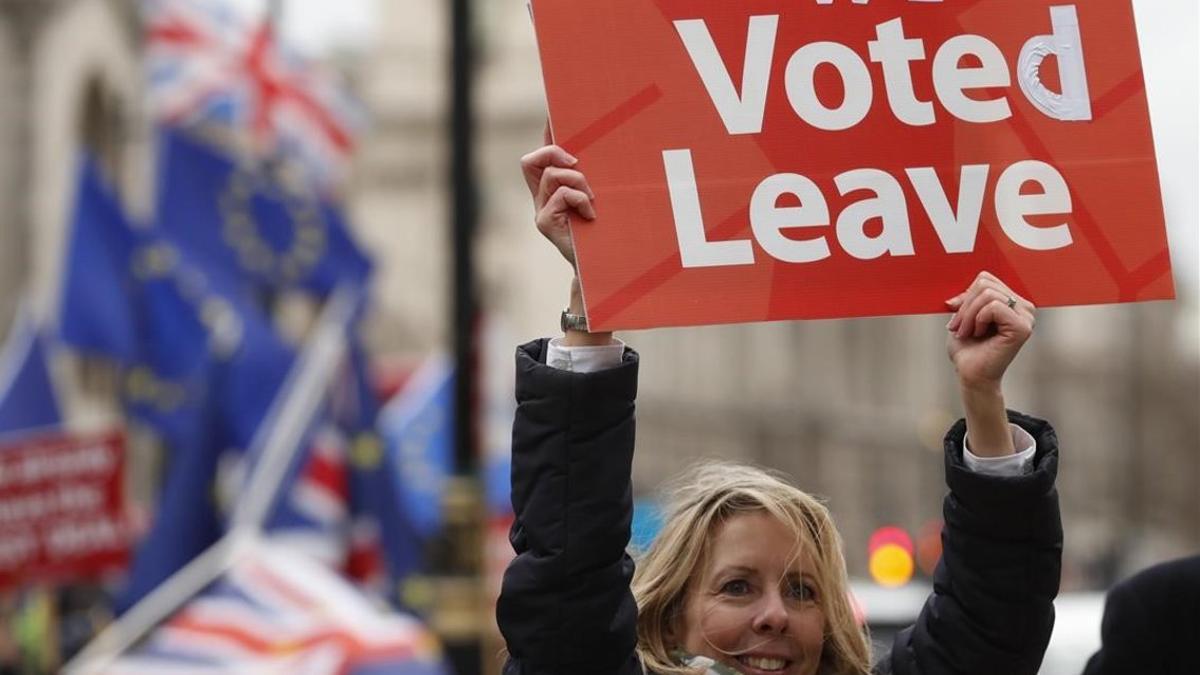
[698,502]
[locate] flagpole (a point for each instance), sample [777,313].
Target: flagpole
[123,633]
[464,649]
[464,210]
[275,16]
[279,435]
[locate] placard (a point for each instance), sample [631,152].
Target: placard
[62,508]
[766,160]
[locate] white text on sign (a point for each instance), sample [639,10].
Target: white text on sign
[741,110]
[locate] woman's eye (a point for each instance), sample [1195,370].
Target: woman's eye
[802,591]
[736,587]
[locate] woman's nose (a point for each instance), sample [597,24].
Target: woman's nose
[772,615]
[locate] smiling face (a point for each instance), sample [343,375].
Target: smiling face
[747,570]
[755,603]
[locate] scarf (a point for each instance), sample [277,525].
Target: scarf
[713,667]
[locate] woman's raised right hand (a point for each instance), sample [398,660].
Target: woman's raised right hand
[558,189]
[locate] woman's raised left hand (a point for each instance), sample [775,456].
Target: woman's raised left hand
[990,325]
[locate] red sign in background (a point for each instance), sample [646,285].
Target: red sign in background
[62,509]
[622,89]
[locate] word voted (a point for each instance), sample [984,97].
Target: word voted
[957,231]
[742,113]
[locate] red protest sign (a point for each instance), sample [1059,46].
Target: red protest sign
[62,514]
[767,160]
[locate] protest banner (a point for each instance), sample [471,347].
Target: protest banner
[62,507]
[783,159]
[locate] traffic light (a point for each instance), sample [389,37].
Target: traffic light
[890,556]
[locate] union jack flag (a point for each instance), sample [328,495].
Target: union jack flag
[314,514]
[316,518]
[275,612]
[208,66]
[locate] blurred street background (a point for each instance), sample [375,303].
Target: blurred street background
[265,264]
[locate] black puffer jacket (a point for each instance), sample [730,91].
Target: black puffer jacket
[566,608]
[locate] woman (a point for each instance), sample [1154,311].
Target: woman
[747,576]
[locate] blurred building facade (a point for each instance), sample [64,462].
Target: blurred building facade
[853,410]
[70,76]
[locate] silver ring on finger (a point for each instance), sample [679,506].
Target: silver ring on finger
[1011,302]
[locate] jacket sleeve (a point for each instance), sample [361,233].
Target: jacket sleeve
[991,610]
[565,604]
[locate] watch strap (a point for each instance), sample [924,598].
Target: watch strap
[568,321]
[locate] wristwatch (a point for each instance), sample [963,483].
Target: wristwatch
[568,321]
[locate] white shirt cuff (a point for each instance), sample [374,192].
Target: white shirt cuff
[584,359]
[1009,465]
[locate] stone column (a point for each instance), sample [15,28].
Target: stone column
[21,22]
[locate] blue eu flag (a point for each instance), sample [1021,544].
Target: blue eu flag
[250,224]
[233,391]
[166,383]
[418,432]
[27,398]
[376,491]
[135,297]
[96,312]
[124,298]
[248,380]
